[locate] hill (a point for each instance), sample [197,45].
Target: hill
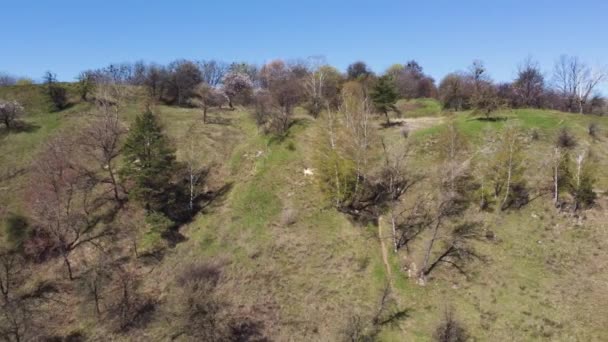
[295,268]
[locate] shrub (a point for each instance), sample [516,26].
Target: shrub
[16,230]
[565,139]
[593,130]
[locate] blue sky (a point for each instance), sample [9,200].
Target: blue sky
[70,36]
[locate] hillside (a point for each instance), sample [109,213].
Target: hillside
[295,268]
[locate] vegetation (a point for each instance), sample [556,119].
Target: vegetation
[229,202]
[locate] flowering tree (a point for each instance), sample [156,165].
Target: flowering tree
[237,84]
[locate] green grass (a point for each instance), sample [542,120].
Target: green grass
[416,108]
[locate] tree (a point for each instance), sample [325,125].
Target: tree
[411,82]
[213,72]
[195,171]
[484,98]
[155,80]
[10,113]
[184,77]
[7,80]
[11,270]
[456,91]
[529,85]
[506,169]
[101,139]
[561,176]
[576,81]
[62,200]
[149,162]
[384,97]
[86,83]
[206,97]
[583,182]
[237,85]
[56,92]
[357,71]
[286,90]
[314,84]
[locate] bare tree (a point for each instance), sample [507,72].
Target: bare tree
[576,81]
[206,97]
[11,268]
[7,80]
[529,85]
[213,72]
[285,87]
[314,84]
[62,200]
[101,139]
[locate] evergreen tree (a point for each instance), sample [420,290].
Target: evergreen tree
[384,95]
[150,163]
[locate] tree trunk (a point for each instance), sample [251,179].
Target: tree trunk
[424,269]
[388,120]
[114,183]
[204,114]
[96,297]
[69,266]
[555,177]
[509,172]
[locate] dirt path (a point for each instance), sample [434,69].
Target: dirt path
[414,124]
[383,249]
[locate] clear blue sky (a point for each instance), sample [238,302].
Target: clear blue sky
[70,36]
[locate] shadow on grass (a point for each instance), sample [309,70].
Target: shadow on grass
[391,124]
[293,126]
[490,119]
[218,120]
[19,127]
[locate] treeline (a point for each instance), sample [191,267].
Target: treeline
[571,86]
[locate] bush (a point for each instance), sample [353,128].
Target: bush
[16,230]
[565,139]
[593,130]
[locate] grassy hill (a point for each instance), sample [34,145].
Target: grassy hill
[305,270]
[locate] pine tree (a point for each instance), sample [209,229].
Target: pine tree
[150,163]
[384,95]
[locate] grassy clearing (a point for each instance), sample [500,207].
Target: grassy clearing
[416,108]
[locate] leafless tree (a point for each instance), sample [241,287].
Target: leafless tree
[194,167]
[206,97]
[11,269]
[62,200]
[529,85]
[576,81]
[286,89]
[101,140]
[213,72]
[7,80]
[156,81]
[314,84]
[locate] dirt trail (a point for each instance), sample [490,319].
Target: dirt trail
[383,249]
[414,124]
